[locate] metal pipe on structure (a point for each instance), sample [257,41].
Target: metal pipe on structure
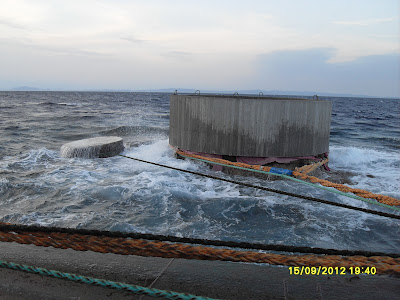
[249,126]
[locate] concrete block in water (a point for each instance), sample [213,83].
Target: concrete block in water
[98,147]
[250,126]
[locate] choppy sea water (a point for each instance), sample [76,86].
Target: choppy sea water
[37,186]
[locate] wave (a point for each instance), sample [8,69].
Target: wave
[375,170]
[351,157]
[116,193]
[49,103]
[30,160]
[70,104]
[120,194]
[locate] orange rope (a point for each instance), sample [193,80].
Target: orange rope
[127,246]
[224,161]
[309,168]
[361,193]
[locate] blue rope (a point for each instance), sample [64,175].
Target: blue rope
[283,173]
[136,289]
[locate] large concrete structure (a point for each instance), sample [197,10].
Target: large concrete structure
[249,125]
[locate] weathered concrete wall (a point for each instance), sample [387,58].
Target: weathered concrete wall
[249,126]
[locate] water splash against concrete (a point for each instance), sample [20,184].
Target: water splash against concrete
[98,147]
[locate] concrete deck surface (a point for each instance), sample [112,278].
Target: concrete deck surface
[215,279]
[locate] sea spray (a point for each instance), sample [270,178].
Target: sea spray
[38,186]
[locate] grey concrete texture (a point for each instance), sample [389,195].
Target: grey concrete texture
[250,126]
[215,279]
[98,147]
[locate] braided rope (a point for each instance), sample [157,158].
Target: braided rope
[136,289]
[384,264]
[343,188]
[224,161]
[387,200]
[379,213]
[26,229]
[309,168]
[374,202]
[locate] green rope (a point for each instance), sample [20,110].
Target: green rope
[136,289]
[300,181]
[332,190]
[369,211]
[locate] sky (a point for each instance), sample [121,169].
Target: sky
[346,47]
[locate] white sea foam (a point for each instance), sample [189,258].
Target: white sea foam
[361,158]
[123,194]
[378,165]
[4,185]
[156,177]
[374,170]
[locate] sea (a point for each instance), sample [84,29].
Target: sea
[38,186]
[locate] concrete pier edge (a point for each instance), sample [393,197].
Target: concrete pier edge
[215,279]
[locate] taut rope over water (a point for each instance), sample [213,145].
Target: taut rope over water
[379,213]
[302,173]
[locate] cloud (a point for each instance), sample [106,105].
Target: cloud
[375,75]
[133,40]
[206,44]
[365,22]
[177,54]
[57,50]
[12,24]
[69,51]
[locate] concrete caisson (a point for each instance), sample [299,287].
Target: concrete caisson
[250,126]
[98,147]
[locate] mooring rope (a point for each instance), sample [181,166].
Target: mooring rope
[309,168]
[379,213]
[141,247]
[273,172]
[27,229]
[343,188]
[362,195]
[136,289]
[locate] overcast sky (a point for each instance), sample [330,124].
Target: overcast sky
[324,46]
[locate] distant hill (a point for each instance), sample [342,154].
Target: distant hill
[25,88]
[189,91]
[257,92]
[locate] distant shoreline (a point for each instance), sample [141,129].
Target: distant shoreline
[189,91]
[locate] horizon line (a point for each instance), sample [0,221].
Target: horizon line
[193,90]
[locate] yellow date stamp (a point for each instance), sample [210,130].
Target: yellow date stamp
[321,270]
